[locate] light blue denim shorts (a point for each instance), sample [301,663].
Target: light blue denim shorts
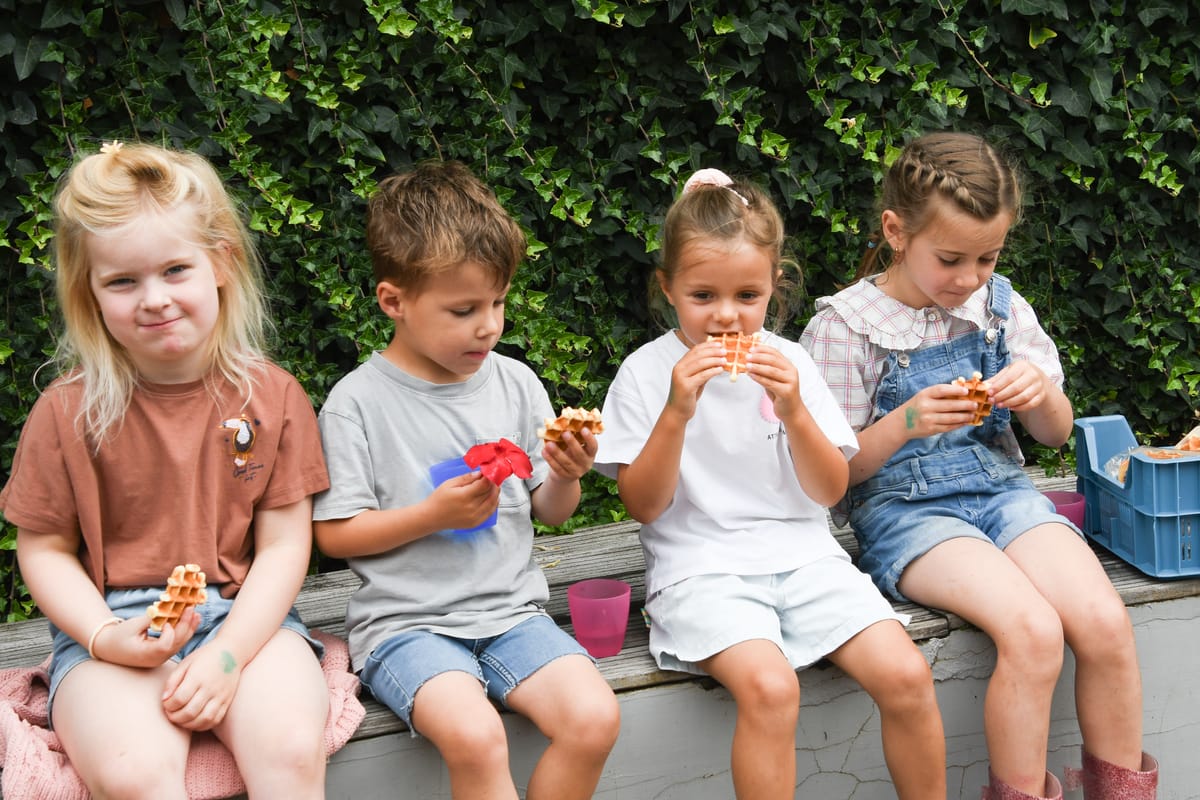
[397,669]
[904,517]
[129,603]
[808,613]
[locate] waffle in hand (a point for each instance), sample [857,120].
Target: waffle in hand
[185,588]
[737,348]
[573,420]
[977,390]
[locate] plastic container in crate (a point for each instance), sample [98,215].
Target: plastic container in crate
[1153,520]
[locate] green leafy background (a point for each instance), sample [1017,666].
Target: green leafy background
[585,116]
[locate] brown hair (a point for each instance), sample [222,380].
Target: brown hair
[961,168]
[435,218]
[725,215]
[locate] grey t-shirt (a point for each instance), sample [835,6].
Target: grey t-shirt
[382,429]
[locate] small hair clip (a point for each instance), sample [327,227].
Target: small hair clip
[871,244]
[712,177]
[111,148]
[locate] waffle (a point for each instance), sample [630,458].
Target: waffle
[977,391]
[573,420]
[185,588]
[737,347]
[1191,441]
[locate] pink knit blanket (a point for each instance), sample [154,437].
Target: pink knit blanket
[35,767]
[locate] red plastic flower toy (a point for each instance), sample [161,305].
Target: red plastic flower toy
[498,460]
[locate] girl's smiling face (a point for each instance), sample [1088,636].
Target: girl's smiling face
[720,289]
[947,261]
[156,290]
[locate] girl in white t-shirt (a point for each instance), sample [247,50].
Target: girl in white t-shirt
[730,477]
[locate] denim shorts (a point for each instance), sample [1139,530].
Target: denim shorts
[808,612]
[905,516]
[397,669]
[129,603]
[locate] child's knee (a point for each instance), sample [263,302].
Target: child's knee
[478,744]
[769,690]
[908,686]
[1035,637]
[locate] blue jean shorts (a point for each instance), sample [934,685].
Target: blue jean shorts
[397,669]
[807,612]
[903,516]
[128,603]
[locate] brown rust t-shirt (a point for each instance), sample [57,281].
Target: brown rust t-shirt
[177,481]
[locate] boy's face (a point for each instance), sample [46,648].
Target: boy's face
[445,329]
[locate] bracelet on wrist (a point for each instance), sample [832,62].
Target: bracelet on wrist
[92,639]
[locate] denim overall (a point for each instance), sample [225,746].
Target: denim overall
[946,485]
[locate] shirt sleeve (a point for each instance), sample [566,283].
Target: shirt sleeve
[840,357]
[1028,341]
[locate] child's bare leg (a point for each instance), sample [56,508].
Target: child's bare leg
[574,707]
[1108,684]
[275,724]
[883,659]
[767,693]
[975,580]
[452,711]
[111,724]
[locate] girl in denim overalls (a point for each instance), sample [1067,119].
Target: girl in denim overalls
[943,511]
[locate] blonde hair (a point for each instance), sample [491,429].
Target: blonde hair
[110,189]
[961,168]
[434,219]
[725,214]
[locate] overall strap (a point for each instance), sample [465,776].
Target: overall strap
[999,296]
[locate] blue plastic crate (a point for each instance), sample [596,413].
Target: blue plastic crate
[1152,521]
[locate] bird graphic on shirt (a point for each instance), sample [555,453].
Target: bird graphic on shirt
[242,439]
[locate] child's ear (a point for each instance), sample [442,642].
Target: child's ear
[391,299]
[665,286]
[893,230]
[222,258]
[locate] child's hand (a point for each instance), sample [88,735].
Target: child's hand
[770,369]
[129,644]
[198,693]
[465,501]
[1021,386]
[700,364]
[572,457]
[937,409]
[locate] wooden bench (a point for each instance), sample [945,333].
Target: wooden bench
[614,551]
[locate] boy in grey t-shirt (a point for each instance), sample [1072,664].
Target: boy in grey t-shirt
[450,614]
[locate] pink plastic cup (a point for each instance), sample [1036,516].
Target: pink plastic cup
[1069,504]
[600,613]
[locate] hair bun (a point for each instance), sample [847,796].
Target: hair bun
[709,176]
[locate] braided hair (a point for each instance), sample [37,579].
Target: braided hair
[959,167]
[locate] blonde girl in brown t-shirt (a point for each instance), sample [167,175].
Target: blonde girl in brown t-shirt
[169,439]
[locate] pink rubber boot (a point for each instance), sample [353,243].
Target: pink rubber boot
[999,790]
[1102,780]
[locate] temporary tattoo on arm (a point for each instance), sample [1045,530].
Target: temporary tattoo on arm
[910,418]
[228,663]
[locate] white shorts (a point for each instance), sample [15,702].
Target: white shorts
[808,613]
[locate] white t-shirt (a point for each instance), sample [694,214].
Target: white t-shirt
[738,507]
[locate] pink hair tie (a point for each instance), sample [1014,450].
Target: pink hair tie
[710,176]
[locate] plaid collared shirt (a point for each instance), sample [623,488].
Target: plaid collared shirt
[852,333]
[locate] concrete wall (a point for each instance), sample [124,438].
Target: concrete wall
[675,739]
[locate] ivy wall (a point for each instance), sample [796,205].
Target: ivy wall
[585,116]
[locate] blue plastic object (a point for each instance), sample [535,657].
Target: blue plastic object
[443,471]
[1152,522]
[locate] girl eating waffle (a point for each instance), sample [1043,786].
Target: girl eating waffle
[730,480]
[169,439]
